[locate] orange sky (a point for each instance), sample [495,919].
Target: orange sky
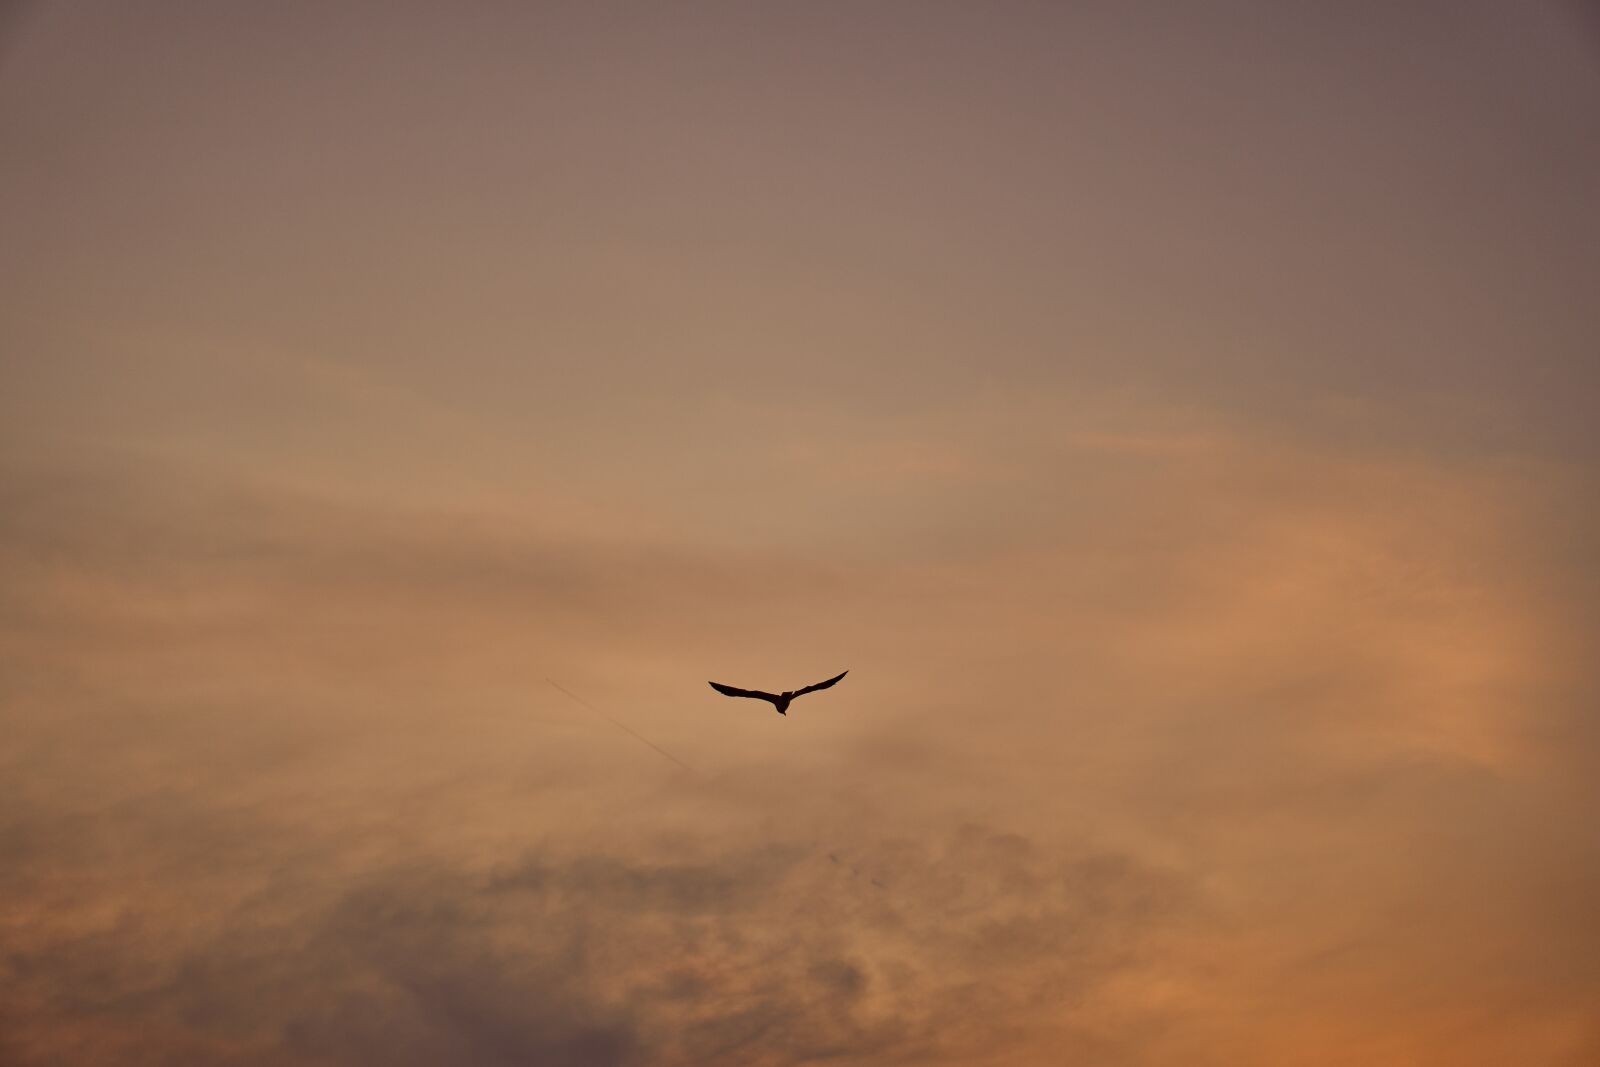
[1180,424]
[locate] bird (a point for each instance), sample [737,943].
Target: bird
[780,701]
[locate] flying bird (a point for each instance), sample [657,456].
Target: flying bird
[778,700]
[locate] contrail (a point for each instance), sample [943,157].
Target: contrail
[622,726]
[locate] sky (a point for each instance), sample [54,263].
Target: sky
[1179,420]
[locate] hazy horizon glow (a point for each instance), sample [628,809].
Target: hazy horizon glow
[1181,425]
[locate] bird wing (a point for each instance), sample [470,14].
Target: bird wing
[730,691]
[820,685]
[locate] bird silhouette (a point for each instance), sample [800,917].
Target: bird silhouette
[780,701]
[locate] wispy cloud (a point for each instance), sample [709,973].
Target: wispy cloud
[280,779]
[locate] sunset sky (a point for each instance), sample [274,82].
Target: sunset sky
[1180,419]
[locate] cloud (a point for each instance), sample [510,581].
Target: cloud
[772,953]
[1225,725]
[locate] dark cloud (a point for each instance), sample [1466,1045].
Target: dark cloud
[768,955]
